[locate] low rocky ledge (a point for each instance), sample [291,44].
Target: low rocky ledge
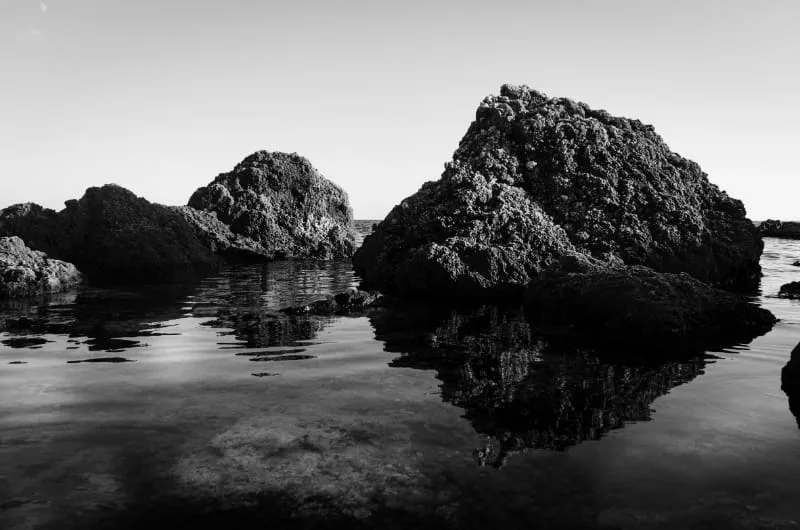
[636,306]
[776,228]
[26,272]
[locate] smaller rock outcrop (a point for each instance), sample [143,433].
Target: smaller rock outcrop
[796,263]
[790,290]
[113,236]
[282,203]
[26,272]
[347,302]
[775,228]
[636,305]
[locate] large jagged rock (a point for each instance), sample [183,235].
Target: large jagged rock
[113,236]
[26,272]
[775,228]
[534,177]
[636,305]
[282,203]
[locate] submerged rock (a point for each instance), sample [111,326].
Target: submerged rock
[535,178]
[113,236]
[282,203]
[26,272]
[638,306]
[790,290]
[775,228]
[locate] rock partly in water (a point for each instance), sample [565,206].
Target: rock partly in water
[790,290]
[638,306]
[282,203]
[347,302]
[26,272]
[776,228]
[790,382]
[535,177]
[113,236]
[796,263]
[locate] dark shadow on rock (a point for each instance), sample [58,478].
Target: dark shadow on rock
[522,389]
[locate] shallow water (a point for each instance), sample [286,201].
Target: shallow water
[232,414]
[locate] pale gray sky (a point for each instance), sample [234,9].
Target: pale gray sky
[162,95]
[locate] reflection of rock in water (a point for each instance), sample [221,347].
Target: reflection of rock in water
[790,382]
[522,390]
[255,328]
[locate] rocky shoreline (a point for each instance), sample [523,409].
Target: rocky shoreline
[588,219]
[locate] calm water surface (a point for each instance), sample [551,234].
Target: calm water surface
[231,414]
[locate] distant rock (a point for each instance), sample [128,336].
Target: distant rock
[26,272]
[283,204]
[113,236]
[536,177]
[775,228]
[796,263]
[790,290]
[638,306]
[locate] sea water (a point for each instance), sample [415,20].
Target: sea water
[211,408]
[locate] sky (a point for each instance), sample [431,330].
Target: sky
[160,96]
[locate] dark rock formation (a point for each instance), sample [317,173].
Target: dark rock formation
[26,272]
[790,382]
[796,263]
[790,290]
[281,202]
[347,302]
[113,236]
[775,228]
[635,305]
[536,177]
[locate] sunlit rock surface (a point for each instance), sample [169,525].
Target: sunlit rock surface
[281,202]
[535,177]
[26,272]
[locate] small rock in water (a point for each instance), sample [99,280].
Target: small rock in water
[103,360]
[18,362]
[284,358]
[264,374]
[796,263]
[790,290]
[24,342]
[350,301]
[270,353]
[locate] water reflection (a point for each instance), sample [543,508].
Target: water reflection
[522,390]
[242,301]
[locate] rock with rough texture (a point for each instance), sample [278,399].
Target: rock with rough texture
[217,236]
[113,236]
[282,203]
[775,228]
[637,306]
[26,272]
[790,290]
[352,301]
[535,177]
